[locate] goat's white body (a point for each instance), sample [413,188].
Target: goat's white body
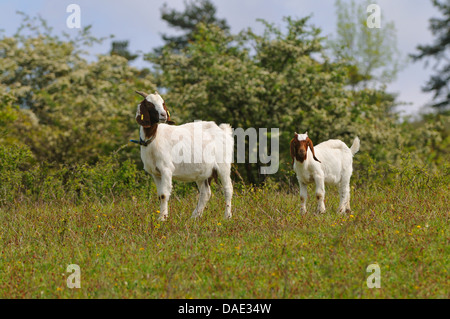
[335,168]
[163,162]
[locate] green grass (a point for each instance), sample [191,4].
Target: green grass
[267,250]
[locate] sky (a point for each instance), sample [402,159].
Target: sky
[139,21]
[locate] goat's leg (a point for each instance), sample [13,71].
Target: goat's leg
[320,194]
[164,191]
[303,197]
[224,175]
[205,195]
[344,194]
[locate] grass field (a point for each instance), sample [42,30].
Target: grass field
[267,250]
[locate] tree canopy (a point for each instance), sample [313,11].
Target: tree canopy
[67,108]
[439,51]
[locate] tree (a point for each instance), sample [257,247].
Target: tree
[195,12]
[120,48]
[371,53]
[279,80]
[439,50]
[66,109]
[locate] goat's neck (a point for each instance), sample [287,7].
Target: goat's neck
[150,132]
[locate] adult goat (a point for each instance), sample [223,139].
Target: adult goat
[193,152]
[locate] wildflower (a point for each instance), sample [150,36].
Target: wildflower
[141,248]
[351,216]
[218,224]
[418,226]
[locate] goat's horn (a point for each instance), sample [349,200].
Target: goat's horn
[142,94]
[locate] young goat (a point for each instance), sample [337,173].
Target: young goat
[333,165]
[193,152]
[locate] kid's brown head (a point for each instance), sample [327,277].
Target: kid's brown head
[299,147]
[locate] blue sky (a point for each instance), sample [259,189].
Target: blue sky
[139,22]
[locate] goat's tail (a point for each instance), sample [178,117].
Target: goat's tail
[355,146]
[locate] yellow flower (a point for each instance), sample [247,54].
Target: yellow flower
[218,224]
[418,226]
[141,248]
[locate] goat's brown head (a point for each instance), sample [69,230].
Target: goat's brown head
[152,110]
[299,147]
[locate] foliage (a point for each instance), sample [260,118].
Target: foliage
[372,55]
[282,80]
[439,50]
[21,175]
[195,12]
[121,48]
[70,110]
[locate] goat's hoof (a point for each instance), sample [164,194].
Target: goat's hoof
[320,211]
[163,218]
[303,211]
[344,211]
[228,216]
[196,214]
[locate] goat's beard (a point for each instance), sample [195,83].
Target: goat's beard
[301,157]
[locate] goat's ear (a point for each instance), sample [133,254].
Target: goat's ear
[143,116]
[167,111]
[311,146]
[293,150]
